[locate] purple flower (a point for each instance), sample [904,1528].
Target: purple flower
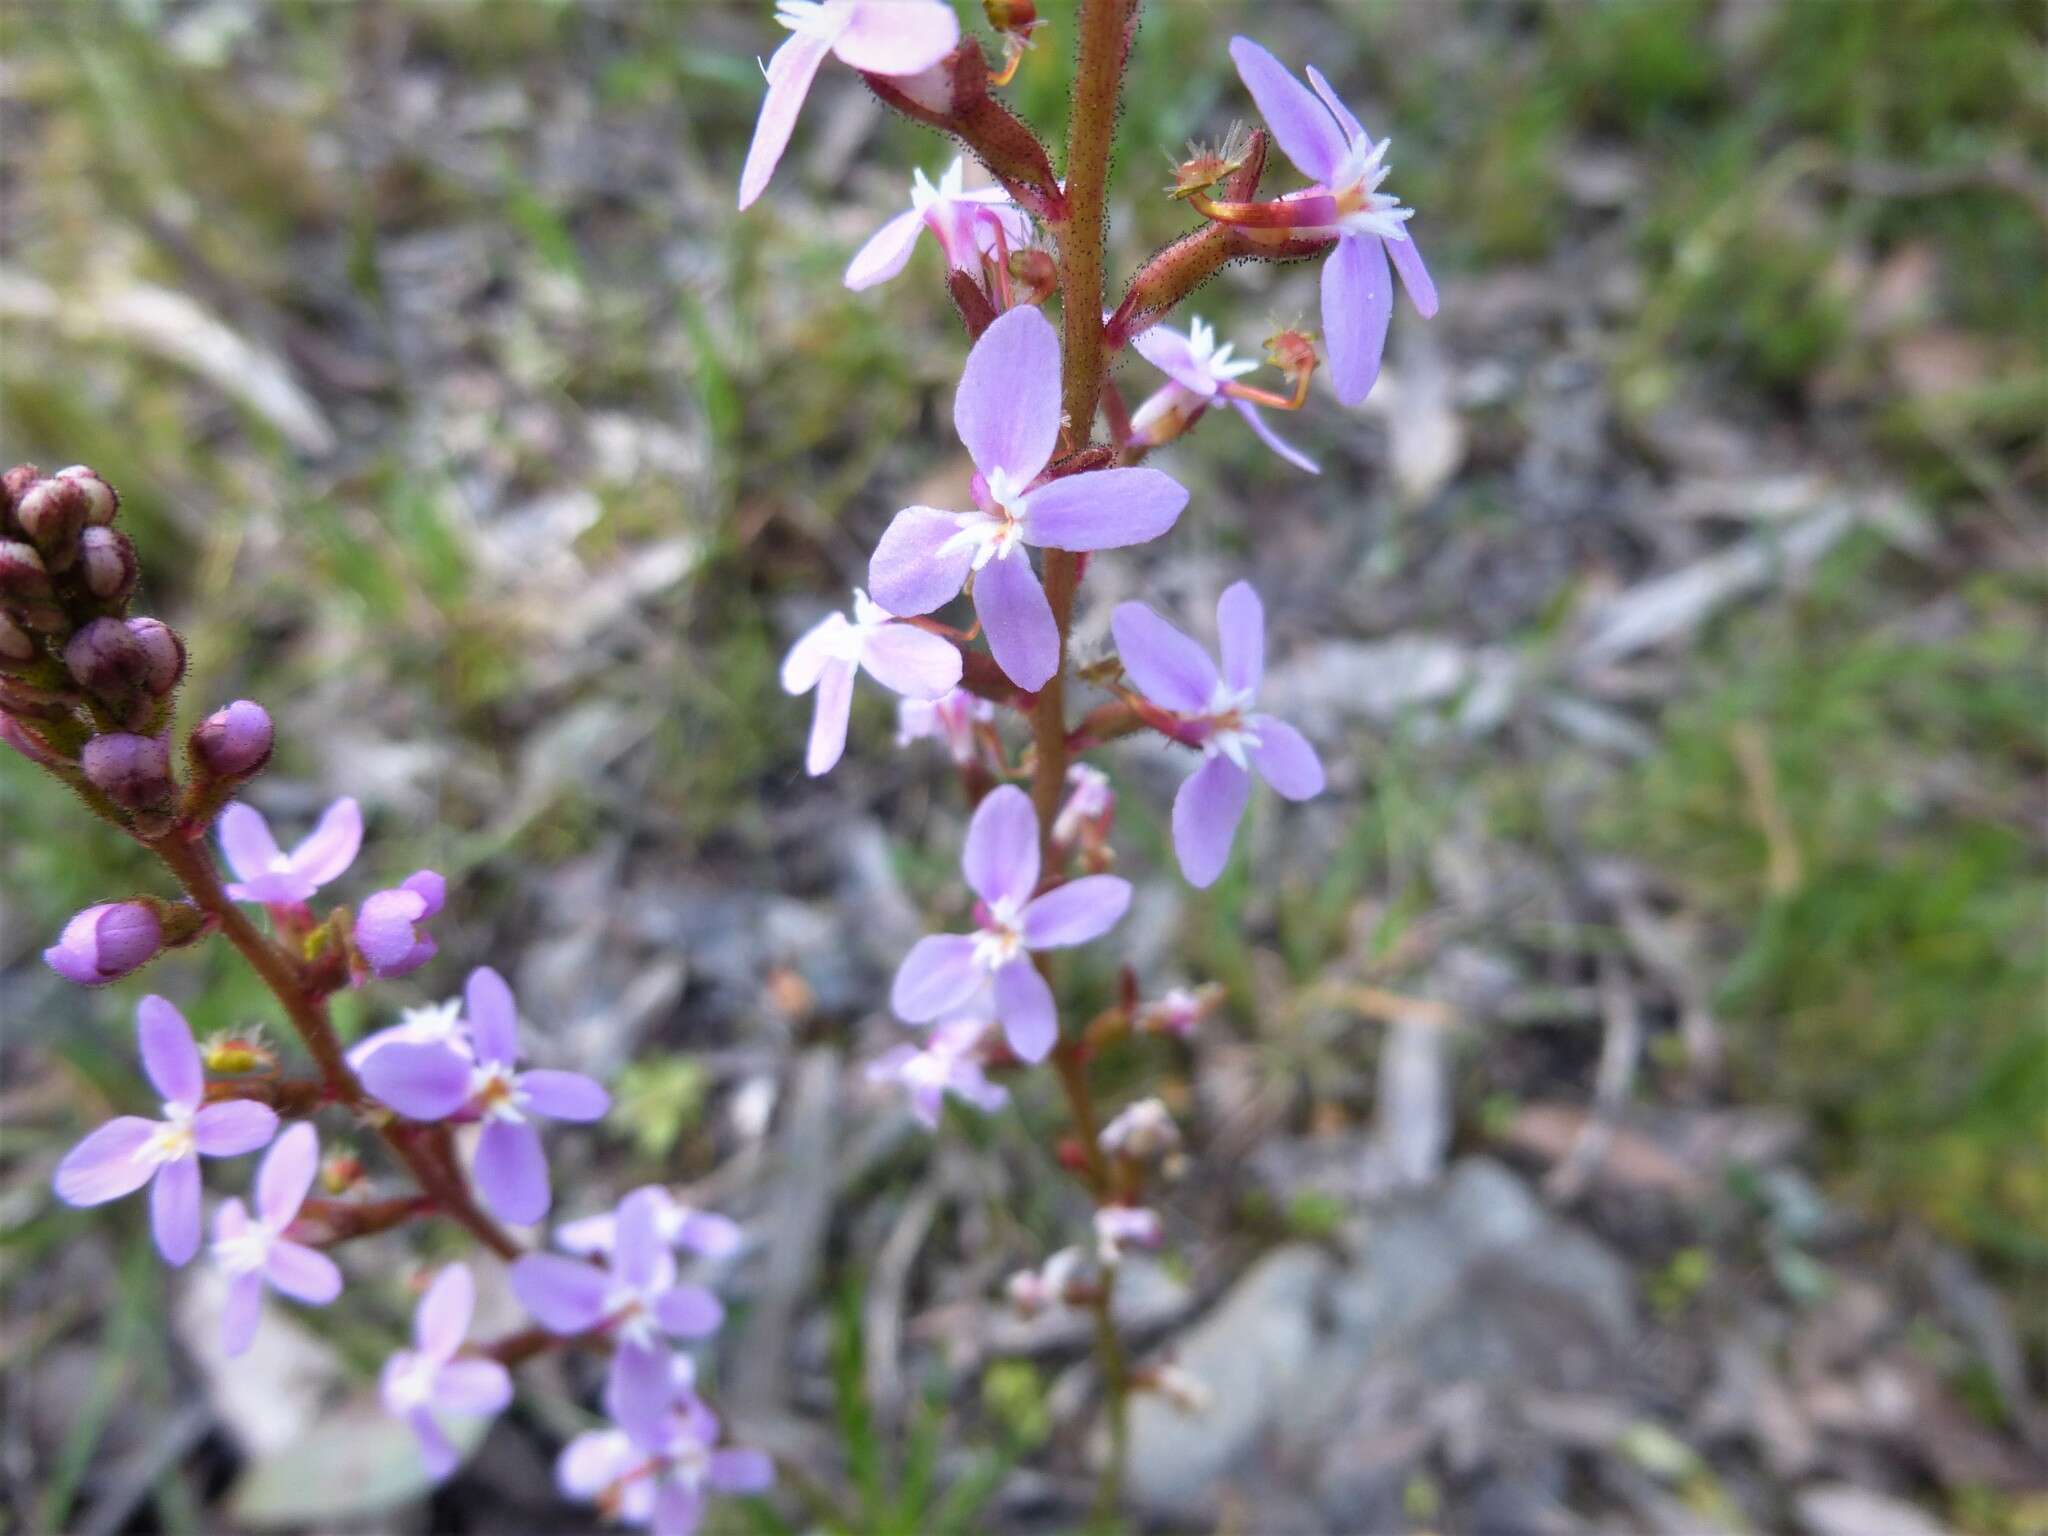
[1201,373]
[427,1379]
[902,657]
[637,1296]
[439,1023]
[1213,714]
[434,1081]
[1007,412]
[955,719]
[256,1253]
[387,932]
[679,1225]
[965,224]
[232,743]
[127,1153]
[947,973]
[1125,1226]
[105,943]
[1319,134]
[660,1479]
[946,1063]
[879,37]
[1089,805]
[276,879]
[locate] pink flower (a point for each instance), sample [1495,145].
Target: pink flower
[105,943]
[1201,373]
[878,37]
[129,1152]
[660,1476]
[966,224]
[1007,412]
[232,743]
[263,873]
[430,1378]
[388,938]
[256,1253]
[1089,805]
[1118,1227]
[435,1080]
[955,719]
[946,973]
[637,1297]
[901,657]
[945,1064]
[706,1233]
[1319,134]
[1213,713]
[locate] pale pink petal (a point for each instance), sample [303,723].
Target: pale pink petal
[741,1471]
[493,1016]
[639,1252]
[302,1273]
[1170,669]
[1205,817]
[288,1170]
[1241,636]
[689,1312]
[564,1295]
[887,251]
[1022,634]
[234,1127]
[168,1055]
[563,1095]
[1415,278]
[913,569]
[470,1386]
[898,37]
[708,1233]
[1007,410]
[1169,351]
[1358,301]
[1300,124]
[1285,759]
[638,1390]
[1000,856]
[912,661]
[174,1210]
[790,73]
[1076,912]
[816,648]
[678,1509]
[245,839]
[1256,420]
[829,717]
[442,1320]
[241,1312]
[421,1082]
[512,1172]
[1346,119]
[437,1451]
[106,1165]
[1024,1006]
[1103,509]
[593,1461]
[937,976]
[331,846]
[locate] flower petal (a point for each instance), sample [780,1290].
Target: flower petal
[593,1461]
[564,1295]
[331,846]
[1024,1005]
[638,1389]
[241,1312]
[174,1210]
[1076,912]
[1285,759]
[1241,636]
[441,1321]
[1170,669]
[1170,352]
[937,976]
[234,1127]
[437,1451]
[913,570]
[689,1312]
[1000,856]
[638,1248]
[1300,124]
[493,1016]
[709,1233]
[1007,410]
[105,1165]
[1415,276]
[678,1509]
[790,72]
[1022,635]
[1346,118]
[302,1273]
[912,661]
[829,717]
[512,1172]
[898,37]
[421,1082]
[814,648]
[168,1055]
[564,1095]
[887,251]
[1205,817]
[1273,440]
[472,1386]
[737,1470]
[286,1175]
[1358,301]
[245,839]
[1103,509]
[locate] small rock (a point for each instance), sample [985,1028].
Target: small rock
[1843,1509]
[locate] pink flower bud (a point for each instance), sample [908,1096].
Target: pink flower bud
[105,943]
[105,659]
[17,645]
[132,771]
[102,501]
[52,513]
[23,576]
[106,560]
[231,743]
[12,485]
[163,654]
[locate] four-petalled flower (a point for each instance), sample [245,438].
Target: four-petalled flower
[254,1251]
[1201,373]
[434,1377]
[660,1476]
[277,879]
[965,223]
[901,657]
[947,1063]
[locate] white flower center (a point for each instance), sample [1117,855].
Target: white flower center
[1215,361]
[172,1139]
[411,1384]
[495,1092]
[1355,184]
[1001,939]
[821,18]
[434,1023]
[246,1251]
[1229,734]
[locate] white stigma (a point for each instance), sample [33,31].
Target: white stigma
[411,1385]
[495,1092]
[172,1139]
[1001,939]
[1229,735]
[1356,182]
[246,1251]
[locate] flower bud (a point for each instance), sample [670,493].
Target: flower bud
[105,943]
[106,659]
[23,576]
[17,646]
[231,743]
[12,484]
[52,514]
[341,1172]
[163,654]
[102,501]
[132,771]
[106,560]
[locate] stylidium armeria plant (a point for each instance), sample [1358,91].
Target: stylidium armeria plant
[88,694]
